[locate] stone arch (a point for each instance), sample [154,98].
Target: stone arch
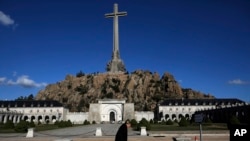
[11,117]
[112,116]
[47,119]
[107,109]
[180,116]
[19,117]
[40,119]
[33,118]
[14,119]
[3,117]
[25,118]
[53,118]
[166,116]
[6,118]
[173,117]
[187,116]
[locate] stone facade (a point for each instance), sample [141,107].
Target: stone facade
[174,109]
[147,115]
[111,110]
[108,110]
[129,112]
[36,111]
[77,117]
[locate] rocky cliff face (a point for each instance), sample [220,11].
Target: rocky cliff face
[143,88]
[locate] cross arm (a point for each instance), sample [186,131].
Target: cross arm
[122,14]
[109,15]
[115,14]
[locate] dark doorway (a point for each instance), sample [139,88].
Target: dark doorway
[112,116]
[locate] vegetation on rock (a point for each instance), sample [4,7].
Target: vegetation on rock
[141,87]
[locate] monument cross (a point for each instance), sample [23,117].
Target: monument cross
[115,15]
[116,64]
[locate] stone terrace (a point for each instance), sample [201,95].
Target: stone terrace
[87,133]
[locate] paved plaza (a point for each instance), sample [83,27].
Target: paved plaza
[87,133]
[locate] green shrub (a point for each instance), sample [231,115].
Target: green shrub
[234,120]
[39,123]
[155,121]
[93,122]
[169,122]
[86,122]
[56,123]
[133,123]
[163,122]
[82,89]
[62,124]
[32,124]
[144,123]
[183,122]
[80,74]
[151,121]
[22,126]
[8,125]
[69,123]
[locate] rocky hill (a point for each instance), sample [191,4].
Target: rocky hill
[141,87]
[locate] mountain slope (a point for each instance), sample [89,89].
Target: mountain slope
[143,88]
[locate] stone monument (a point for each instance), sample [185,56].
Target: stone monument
[111,110]
[116,64]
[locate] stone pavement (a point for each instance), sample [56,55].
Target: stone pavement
[87,133]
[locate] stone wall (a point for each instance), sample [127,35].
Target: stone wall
[177,111]
[141,114]
[129,112]
[94,113]
[77,117]
[35,114]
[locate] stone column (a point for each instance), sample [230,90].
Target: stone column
[5,118]
[10,117]
[18,118]
[14,119]
[1,118]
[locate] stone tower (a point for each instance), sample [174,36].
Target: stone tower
[116,64]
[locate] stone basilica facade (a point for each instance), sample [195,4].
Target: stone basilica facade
[37,111]
[107,110]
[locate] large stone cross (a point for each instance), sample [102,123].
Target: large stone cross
[115,15]
[116,64]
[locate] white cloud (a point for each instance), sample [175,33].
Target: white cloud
[5,19]
[237,82]
[23,81]
[2,79]
[10,82]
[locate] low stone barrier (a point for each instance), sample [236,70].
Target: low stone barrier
[182,139]
[143,131]
[98,131]
[30,133]
[63,140]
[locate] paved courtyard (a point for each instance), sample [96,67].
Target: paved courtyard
[87,133]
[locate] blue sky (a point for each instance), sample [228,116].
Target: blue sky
[204,44]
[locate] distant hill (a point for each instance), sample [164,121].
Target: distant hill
[141,87]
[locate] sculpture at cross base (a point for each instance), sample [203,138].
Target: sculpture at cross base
[116,64]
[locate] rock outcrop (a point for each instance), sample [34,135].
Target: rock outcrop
[144,88]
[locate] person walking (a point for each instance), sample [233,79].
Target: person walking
[122,133]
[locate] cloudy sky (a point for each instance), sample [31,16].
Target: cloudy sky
[204,44]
